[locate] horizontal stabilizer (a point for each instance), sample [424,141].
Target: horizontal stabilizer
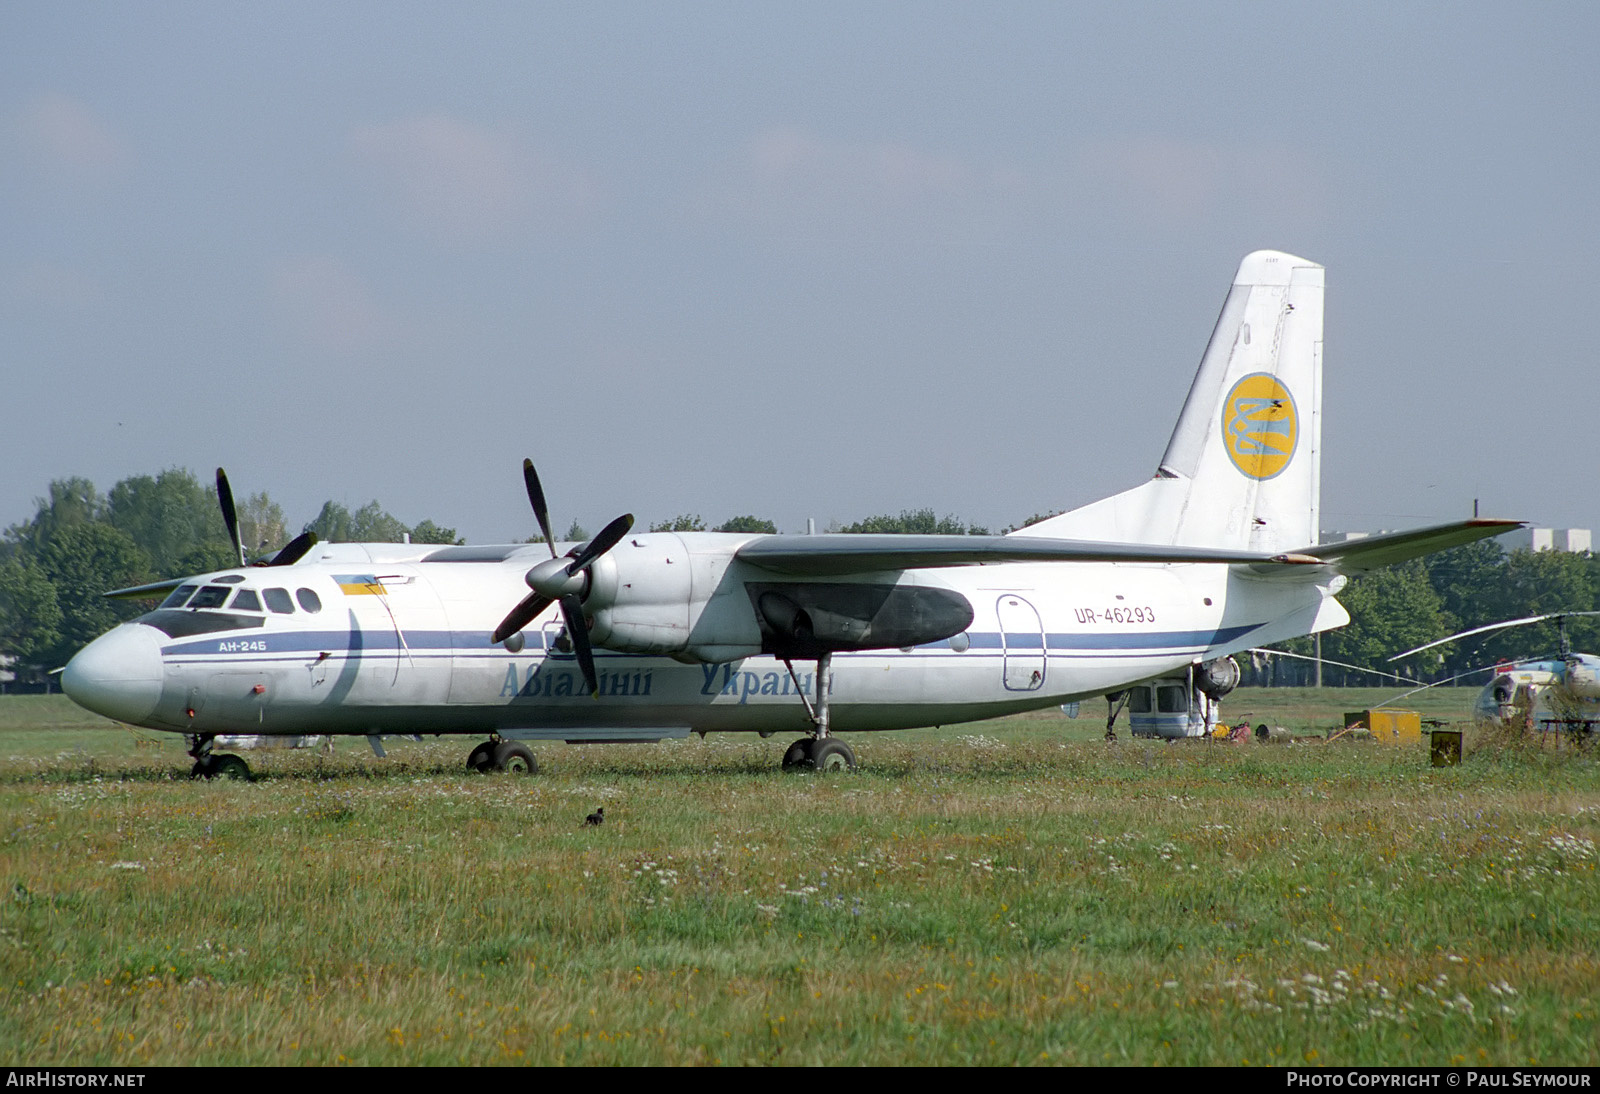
[1374,552]
[834,555]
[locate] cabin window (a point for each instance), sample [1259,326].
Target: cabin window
[1172,699]
[278,600]
[1139,701]
[212,596]
[179,596]
[308,600]
[229,579]
[245,600]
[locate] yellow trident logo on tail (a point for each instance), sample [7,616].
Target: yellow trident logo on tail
[1260,426]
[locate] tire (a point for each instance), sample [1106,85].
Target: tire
[229,766]
[797,757]
[481,758]
[833,755]
[516,758]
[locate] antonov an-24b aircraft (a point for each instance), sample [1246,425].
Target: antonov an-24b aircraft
[640,637]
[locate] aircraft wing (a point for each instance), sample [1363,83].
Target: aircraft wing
[153,591]
[833,555]
[1373,552]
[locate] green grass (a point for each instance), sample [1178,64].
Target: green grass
[1007,892]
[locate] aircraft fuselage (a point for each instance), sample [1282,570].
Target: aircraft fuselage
[370,644]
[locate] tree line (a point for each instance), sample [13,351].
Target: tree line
[1401,607]
[80,543]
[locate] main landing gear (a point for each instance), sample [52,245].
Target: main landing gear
[512,756]
[213,765]
[818,752]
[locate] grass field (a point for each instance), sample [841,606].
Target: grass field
[1003,893]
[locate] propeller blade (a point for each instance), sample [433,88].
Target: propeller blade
[608,538]
[524,613]
[578,631]
[541,511]
[295,550]
[230,515]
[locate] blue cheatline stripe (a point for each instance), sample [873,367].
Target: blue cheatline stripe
[340,640]
[379,641]
[1156,640]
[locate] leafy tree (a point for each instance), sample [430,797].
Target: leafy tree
[204,559]
[748,524]
[372,525]
[69,502]
[262,527]
[1391,610]
[333,524]
[575,534]
[30,618]
[915,522]
[82,562]
[429,532]
[167,515]
[369,524]
[683,522]
[1035,519]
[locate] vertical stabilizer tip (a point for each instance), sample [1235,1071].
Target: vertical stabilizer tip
[1271,268]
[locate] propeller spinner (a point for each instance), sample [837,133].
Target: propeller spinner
[562,580]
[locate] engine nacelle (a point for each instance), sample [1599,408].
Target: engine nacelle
[640,596]
[1216,678]
[685,596]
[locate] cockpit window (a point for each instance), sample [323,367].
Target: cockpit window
[245,600]
[179,595]
[278,600]
[308,600]
[212,596]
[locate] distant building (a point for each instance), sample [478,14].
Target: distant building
[1575,540]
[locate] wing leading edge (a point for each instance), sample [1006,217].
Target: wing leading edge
[833,555]
[836,555]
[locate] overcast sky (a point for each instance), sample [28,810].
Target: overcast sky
[794,260]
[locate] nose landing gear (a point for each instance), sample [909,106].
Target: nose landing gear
[214,765]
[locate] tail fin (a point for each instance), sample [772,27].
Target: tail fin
[1243,467]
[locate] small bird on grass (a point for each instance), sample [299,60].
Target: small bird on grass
[595,819]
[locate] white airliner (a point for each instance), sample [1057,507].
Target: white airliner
[635,637]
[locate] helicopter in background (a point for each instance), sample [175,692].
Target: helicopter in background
[1555,691]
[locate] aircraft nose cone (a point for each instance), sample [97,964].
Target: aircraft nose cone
[118,675]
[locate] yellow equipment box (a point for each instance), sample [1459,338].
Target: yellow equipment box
[1394,727]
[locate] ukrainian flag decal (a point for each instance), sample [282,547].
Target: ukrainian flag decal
[360,584]
[1260,426]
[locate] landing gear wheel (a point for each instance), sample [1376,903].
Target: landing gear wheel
[230,767]
[225,766]
[798,755]
[832,754]
[481,758]
[515,757]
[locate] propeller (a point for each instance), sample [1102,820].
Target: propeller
[562,580]
[288,555]
[230,515]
